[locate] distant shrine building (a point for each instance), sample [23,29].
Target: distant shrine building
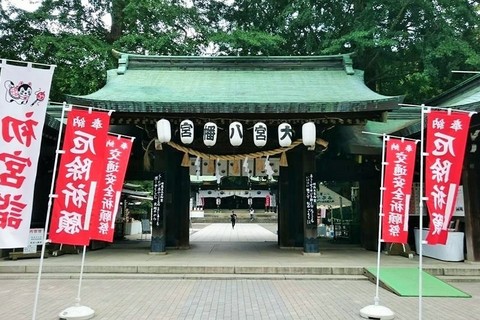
[258,127]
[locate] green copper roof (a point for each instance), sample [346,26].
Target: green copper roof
[465,95]
[313,84]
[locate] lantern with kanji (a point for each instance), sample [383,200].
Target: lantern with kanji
[164,131]
[236,133]
[285,134]
[210,134]
[309,134]
[186,131]
[260,134]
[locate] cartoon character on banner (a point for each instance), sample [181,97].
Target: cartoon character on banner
[19,93]
[22,92]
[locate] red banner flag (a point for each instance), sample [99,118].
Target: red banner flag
[445,147]
[397,182]
[79,173]
[110,188]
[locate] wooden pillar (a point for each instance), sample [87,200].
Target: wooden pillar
[292,221]
[290,213]
[177,219]
[470,180]
[369,198]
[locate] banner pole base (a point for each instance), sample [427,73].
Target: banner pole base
[77,312]
[376,312]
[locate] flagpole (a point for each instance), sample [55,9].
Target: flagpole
[380,218]
[78,311]
[47,219]
[376,311]
[81,275]
[420,210]
[390,136]
[436,108]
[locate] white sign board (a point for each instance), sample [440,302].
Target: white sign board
[35,238]
[460,206]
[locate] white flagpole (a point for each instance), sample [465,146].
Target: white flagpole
[420,223]
[47,219]
[376,311]
[78,311]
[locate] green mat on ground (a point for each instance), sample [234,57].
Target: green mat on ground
[404,282]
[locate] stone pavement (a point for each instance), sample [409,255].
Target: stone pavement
[226,274]
[161,298]
[217,249]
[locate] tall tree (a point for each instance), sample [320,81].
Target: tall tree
[405,46]
[74,35]
[62,33]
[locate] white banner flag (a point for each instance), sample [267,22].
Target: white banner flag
[24,92]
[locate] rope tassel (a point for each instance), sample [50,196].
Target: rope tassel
[186,160]
[283,160]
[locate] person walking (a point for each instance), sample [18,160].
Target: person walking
[252,214]
[233,219]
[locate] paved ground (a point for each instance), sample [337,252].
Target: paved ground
[227,274]
[136,299]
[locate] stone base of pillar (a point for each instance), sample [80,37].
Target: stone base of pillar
[312,254]
[311,245]
[157,245]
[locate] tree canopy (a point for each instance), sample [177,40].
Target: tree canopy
[406,47]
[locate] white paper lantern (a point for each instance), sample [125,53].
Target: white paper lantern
[164,132]
[285,134]
[210,134]
[186,131]
[236,133]
[309,134]
[260,134]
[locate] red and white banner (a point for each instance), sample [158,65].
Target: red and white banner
[24,95]
[107,199]
[447,132]
[81,170]
[397,182]
[267,200]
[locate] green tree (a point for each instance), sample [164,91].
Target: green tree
[405,46]
[65,36]
[73,35]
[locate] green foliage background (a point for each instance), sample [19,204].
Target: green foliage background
[406,47]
